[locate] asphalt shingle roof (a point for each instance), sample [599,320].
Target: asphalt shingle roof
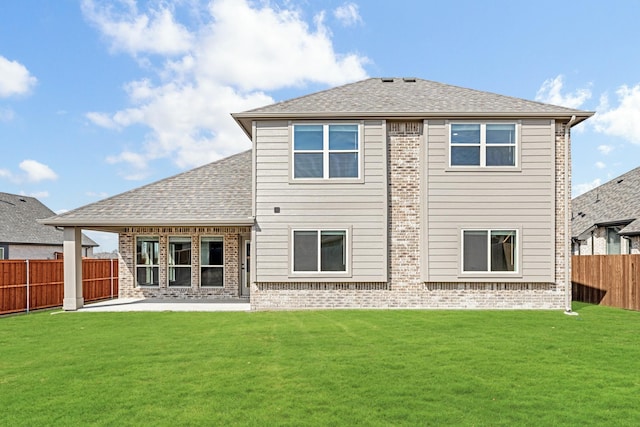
[616,201]
[404,97]
[219,192]
[18,222]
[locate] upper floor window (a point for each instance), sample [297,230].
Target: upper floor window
[483,144]
[326,151]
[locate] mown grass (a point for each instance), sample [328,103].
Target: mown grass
[322,368]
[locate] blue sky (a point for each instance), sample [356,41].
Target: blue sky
[99,97]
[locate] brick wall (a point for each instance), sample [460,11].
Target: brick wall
[127,255]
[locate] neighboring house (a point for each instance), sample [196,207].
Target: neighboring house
[606,220]
[22,237]
[384,193]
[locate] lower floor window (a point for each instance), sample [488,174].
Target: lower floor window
[180,261]
[319,250]
[613,241]
[147,261]
[211,261]
[489,250]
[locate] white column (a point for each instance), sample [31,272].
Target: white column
[72,247]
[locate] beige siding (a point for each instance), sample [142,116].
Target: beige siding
[360,207]
[522,198]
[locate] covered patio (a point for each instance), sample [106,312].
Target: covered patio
[186,237]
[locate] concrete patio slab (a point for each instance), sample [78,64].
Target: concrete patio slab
[133,304]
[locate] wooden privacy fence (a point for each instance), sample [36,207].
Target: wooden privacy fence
[611,280]
[31,284]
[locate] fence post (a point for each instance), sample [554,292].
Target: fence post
[111,276]
[27,261]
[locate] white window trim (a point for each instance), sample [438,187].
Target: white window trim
[169,266]
[135,251]
[325,154]
[483,146]
[518,255]
[318,273]
[211,265]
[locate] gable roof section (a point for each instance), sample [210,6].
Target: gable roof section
[19,217]
[614,202]
[404,98]
[218,193]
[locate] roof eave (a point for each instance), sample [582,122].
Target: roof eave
[245,119]
[131,222]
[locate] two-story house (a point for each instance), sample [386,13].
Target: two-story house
[384,193]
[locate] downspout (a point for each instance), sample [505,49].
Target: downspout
[567,201]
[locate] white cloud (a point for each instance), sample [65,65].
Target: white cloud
[239,51]
[154,32]
[15,79]
[6,114]
[274,48]
[37,171]
[98,194]
[33,171]
[624,119]
[39,194]
[600,165]
[551,93]
[584,187]
[136,161]
[605,149]
[102,120]
[348,14]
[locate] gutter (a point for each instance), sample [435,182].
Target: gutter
[244,119]
[61,222]
[567,205]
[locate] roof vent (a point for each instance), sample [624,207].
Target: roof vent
[620,180]
[409,79]
[387,79]
[22,200]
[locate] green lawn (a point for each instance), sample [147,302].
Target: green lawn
[322,368]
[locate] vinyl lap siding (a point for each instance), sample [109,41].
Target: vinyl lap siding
[487,199]
[361,207]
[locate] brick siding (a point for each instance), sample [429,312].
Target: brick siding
[127,255]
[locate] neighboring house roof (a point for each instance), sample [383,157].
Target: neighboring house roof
[614,202]
[404,98]
[218,193]
[19,217]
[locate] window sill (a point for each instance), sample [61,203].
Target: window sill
[321,275]
[316,181]
[483,169]
[490,275]
[212,287]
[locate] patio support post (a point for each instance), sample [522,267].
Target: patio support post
[72,247]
